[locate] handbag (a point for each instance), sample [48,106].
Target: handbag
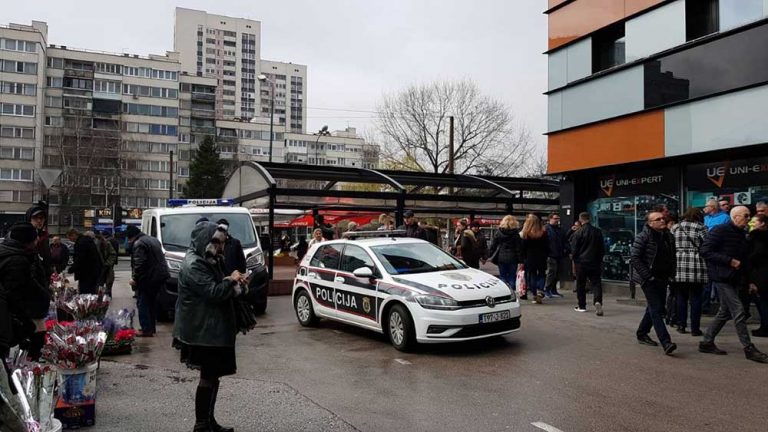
[522,288]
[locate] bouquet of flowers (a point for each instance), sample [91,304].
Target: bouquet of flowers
[33,396]
[87,306]
[120,332]
[76,345]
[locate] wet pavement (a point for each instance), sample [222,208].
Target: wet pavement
[563,371]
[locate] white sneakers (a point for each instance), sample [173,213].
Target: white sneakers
[599,309]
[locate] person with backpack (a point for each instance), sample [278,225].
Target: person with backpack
[149,272]
[506,250]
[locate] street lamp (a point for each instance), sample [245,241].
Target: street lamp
[322,132]
[263,78]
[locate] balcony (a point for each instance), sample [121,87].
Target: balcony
[206,114]
[77,73]
[208,130]
[203,96]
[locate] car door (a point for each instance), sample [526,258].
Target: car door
[320,277]
[356,297]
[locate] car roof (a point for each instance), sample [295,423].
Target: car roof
[196,210]
[376,241]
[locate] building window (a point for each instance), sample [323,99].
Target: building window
[15,174]
[15,196]
[18,153]
[608,47]
[18,88]
[17,110]
[17,132]
[701,18]
[18,67]
[18,45]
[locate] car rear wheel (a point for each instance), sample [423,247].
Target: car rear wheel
[304,311]
[400,328]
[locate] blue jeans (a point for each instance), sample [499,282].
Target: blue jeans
[689,292]
[508,274]
[655,295]
[536,284]
[146,303]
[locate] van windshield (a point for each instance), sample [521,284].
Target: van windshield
[176,230]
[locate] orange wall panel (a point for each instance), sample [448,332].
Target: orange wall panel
[583,17]
[629,139]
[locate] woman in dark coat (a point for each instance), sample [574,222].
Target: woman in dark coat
[758,269]
[205,318]
[506,250]
[470,249]
[535,250]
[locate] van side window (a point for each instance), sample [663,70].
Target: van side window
[153,228]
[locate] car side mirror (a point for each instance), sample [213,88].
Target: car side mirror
[363,273]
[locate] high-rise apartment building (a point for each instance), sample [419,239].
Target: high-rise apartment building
[22,79]
[656,102]
[229,50]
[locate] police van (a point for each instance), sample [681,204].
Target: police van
[173,225]
[408,289]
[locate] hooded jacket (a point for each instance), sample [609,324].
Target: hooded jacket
[205,312]
[43,246]
[509,245]
[23,291]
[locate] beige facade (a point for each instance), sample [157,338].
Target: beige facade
[341,148]
[290,84]
[22,78]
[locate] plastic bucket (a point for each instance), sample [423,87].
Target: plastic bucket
[78,385]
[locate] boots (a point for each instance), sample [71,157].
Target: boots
[215,426]
[752,353]
[203,400]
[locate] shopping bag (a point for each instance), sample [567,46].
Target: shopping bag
[522,288]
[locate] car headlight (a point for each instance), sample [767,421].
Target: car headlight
[436,302]
[511,292]
[256,259]
[173,264]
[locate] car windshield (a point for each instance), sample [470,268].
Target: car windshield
[409,258]
[176,230]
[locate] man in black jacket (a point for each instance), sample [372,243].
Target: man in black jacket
[24,291]
[37,215]
[653,260]
[725,252]
[411,226]
[234,257]
[86,265]
[149,271]
[557,260]
[482,243]
[588,248]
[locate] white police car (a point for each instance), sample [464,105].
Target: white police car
[406,288]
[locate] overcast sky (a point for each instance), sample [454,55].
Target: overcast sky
[355,50]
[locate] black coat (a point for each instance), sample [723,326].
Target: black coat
[470,250]
[758,260]
[234,258]
[414,230]
[148,264]
[509,246]
[558,241]
[535,253]
[328,232]
[43,246]
[59,257]
[24,292]
[644,251]
[87,264]
[724,243]
[588,247]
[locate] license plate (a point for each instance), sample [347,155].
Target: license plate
[494,316]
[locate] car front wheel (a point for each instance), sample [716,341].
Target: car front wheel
[304,311]
[400,328]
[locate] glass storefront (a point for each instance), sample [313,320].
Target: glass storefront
[741,182]
[619,209]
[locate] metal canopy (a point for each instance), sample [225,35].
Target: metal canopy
[267,185]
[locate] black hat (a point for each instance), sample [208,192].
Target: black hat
[132,231]
[23,232]
[474,224]
[222,221]
[408,213]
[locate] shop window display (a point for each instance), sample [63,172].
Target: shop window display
[620,219]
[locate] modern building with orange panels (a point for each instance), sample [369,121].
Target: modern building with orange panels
[656,102]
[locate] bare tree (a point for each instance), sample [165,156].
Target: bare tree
[414,125]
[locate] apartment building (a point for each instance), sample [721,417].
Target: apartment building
[229,50]
[656,102]
[340,148]
[240,140]
[22,77]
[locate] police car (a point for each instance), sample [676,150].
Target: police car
[408,289]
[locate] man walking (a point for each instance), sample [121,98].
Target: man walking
[86,265]
[149,271]
[411,226]
[653,261]
[588,248]
[557,261]
[725,252]
[482,242]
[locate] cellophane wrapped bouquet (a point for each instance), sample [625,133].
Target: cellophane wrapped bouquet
[76,345]
[120,332]
[29,393]
[87,306]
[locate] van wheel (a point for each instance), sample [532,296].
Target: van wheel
[400,328]
[304,311]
